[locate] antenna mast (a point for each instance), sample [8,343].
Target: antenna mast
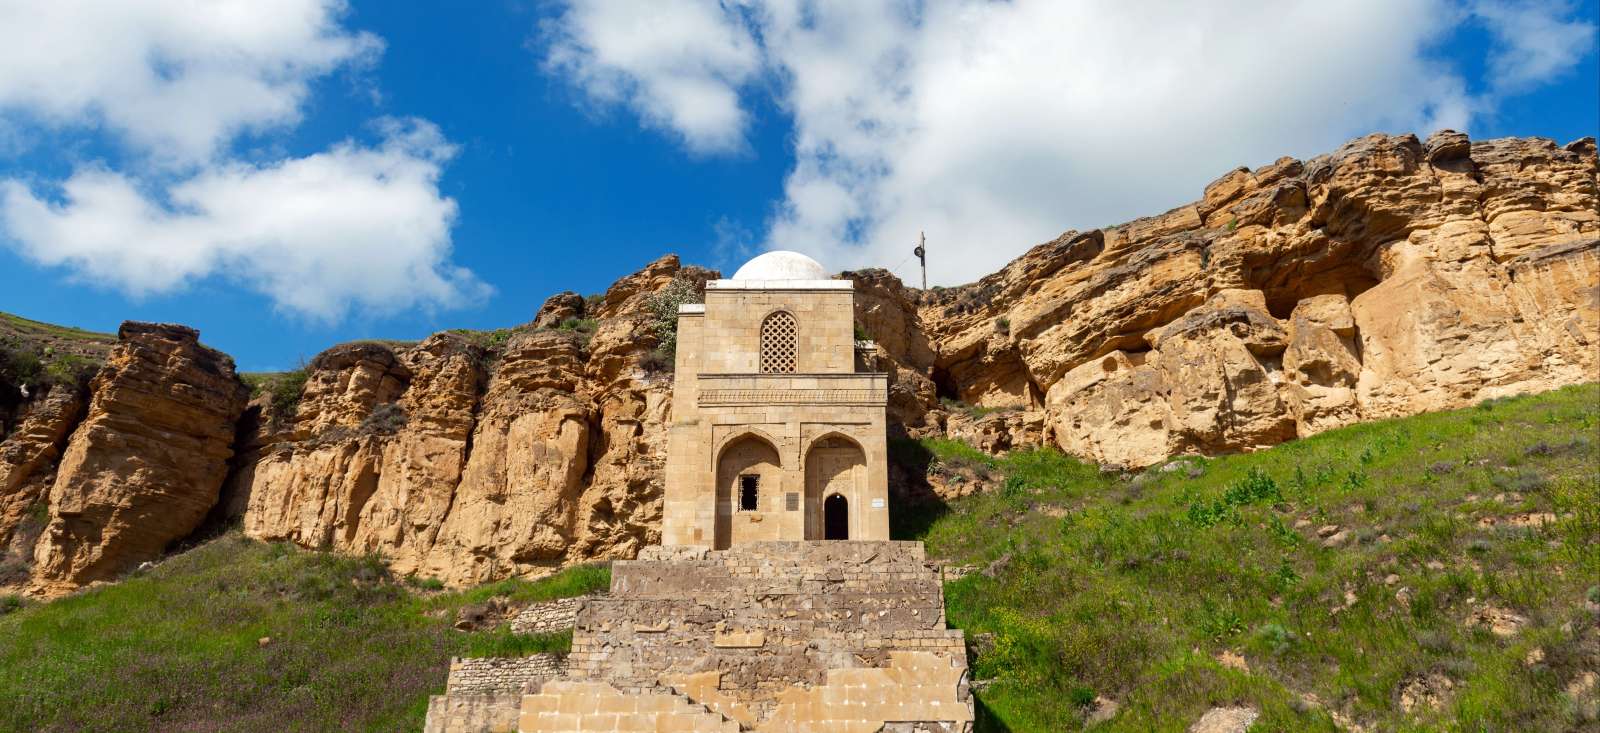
[922,256]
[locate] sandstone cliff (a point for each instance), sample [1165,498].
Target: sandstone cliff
[468,461]
[1390,277]
[139,471]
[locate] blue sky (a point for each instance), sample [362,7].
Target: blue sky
[285,176]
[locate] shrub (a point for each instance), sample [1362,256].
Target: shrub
[656,361]
[663,307]
[1255,488]
[385,419]
[581,325]
[283,387]
[1003,325]
[19,365]
[434,584]
[69,369]
[1273,637]
[9,603]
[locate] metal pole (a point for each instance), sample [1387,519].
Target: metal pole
[922,256]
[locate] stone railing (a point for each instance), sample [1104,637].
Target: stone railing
[793,389]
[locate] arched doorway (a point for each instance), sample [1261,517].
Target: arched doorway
[836,518]
[836,468]
[748,486]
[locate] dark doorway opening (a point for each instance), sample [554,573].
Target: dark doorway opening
[836,518]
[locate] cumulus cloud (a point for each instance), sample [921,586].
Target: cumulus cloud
[995,126]
[355,226]
[176,78]
[1533,41]
[172,84]
[677,63]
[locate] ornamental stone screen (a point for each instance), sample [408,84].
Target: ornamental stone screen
[775,435]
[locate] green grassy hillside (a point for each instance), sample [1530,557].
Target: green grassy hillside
[177,648]
[1356,574]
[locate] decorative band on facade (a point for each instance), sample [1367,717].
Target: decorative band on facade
[793,396]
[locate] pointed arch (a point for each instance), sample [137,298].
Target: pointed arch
[780,343]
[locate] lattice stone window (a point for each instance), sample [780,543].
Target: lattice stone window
[779,338]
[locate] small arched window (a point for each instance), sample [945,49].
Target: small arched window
[779,338]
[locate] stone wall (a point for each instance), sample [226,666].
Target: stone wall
[739,630]
[485,675]
[549,617]
[476,713]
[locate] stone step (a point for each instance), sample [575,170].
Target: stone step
[580,706]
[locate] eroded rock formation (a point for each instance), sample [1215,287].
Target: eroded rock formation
[1391,277]
[145,465]
[468,463]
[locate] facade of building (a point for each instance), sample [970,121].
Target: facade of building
[777,433]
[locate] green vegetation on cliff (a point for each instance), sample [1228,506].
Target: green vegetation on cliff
[1432,573]
[180,646]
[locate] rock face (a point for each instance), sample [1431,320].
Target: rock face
[145,465]
[1391,277]
[468,463]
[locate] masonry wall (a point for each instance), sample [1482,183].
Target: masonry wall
[725,412]
[480,675]
[766,617]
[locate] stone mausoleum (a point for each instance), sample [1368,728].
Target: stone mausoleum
[776,601]
[778,432]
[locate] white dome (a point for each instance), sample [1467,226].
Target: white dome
[782,265]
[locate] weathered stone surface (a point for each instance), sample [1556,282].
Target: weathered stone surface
[769,636]
[558,308]
[28,458]
[546,451]
[146,464]
[1389,277]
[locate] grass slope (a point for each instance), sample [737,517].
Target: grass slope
[1131,586]
[176,648]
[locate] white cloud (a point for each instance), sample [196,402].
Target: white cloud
[1534,41]
[173,84]
[177,79]
[995,126]
[354,227]
[677,63]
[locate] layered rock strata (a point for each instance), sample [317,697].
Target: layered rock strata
[145,466]
[1390,277]
[468,462]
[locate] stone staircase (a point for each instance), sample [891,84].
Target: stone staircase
[573,706]
[772,637]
